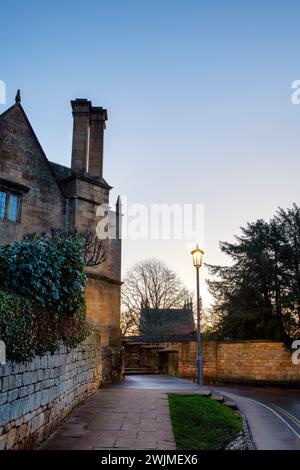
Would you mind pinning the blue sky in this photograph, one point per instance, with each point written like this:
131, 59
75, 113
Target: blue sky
198, 95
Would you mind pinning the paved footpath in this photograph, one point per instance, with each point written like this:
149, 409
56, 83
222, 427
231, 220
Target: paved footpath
134, 414
131, 415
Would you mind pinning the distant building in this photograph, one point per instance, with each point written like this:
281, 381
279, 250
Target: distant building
37, 195
167, 322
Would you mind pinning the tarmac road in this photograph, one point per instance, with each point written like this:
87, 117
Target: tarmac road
274, 408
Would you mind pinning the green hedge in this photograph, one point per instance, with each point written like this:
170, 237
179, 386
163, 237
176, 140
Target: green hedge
42, 299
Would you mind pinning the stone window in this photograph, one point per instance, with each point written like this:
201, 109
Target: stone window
2, 204
9, 205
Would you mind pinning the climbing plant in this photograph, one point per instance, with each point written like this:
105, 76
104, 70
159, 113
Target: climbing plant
42, 301
48, 271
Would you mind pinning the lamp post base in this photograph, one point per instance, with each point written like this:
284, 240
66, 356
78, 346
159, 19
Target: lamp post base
199, 372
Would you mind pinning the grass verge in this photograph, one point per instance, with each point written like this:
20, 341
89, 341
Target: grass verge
200, 423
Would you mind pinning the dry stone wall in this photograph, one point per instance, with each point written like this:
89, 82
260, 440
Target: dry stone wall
36, 396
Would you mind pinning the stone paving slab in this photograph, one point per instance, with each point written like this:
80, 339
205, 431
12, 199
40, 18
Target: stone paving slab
133, 414
143, 423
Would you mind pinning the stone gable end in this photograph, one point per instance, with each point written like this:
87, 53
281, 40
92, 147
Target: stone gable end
23, 163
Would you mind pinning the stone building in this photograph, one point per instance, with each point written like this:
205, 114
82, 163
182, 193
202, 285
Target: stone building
37, 195
168, 321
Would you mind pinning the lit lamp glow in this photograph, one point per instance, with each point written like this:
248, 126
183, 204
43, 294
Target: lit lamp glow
197, 257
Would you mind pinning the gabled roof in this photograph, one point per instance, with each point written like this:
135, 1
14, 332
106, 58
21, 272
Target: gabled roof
61, 174
65, 174
19, 107
171, 321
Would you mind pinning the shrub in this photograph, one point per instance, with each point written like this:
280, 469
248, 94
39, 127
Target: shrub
48, 271
16, 326
41, 296
29, 331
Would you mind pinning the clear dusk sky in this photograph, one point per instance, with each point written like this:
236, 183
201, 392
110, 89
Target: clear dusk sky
198, 95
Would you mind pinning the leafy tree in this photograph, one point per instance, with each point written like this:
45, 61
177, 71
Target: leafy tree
258, 296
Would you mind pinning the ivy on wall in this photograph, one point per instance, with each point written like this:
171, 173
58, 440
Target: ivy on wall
42, 299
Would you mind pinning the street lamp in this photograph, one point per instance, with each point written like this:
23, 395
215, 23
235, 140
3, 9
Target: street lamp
197, 261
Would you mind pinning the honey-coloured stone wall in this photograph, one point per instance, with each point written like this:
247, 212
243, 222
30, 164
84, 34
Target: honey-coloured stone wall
36, 396
240, 361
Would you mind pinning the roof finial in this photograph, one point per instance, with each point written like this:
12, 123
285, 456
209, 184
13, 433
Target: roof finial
18, 97
119, 206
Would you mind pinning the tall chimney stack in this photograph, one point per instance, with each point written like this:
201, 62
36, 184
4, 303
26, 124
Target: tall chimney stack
98, 117
81, 130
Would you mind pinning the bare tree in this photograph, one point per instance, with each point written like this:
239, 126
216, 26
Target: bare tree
149, 283
93, 248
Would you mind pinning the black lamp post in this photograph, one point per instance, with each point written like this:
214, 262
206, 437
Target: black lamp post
197, 261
